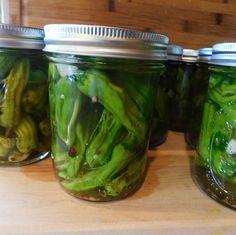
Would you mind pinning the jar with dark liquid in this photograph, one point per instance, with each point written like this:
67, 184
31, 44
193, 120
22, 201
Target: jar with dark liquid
198, 91
179, 76
162, 104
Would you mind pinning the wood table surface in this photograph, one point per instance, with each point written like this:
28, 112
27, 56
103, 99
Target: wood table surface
169, 203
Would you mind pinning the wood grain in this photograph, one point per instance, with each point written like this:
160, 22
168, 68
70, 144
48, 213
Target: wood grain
168, 203
190, 23
15, 11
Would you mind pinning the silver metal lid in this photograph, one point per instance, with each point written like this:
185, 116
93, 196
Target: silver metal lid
204, 55
224, 54
189, 55
105, 41
174, 52
12, 36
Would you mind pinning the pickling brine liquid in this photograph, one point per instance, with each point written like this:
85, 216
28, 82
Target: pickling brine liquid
101, 113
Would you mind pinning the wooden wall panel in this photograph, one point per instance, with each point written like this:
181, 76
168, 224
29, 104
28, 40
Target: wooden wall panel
15, 11
191, 23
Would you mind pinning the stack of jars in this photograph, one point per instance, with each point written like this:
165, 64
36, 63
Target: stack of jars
109, 90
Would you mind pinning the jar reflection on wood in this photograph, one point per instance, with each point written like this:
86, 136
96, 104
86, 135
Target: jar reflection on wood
179, 76
101, 106
215, 166
198, 91
24, 117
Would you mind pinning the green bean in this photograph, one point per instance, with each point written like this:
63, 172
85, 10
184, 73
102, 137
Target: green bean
96, 84
34, 98
7, 61
14, 85
86, 127
125, 180
73, 166
206, 130
100, 148
26, 133
44, 127
101, 175
6, 145
138, 91
66, 109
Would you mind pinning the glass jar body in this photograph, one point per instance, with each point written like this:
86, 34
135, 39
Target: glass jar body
198, 91
101, 111
160, 114
178, 76
215, 165
24, 118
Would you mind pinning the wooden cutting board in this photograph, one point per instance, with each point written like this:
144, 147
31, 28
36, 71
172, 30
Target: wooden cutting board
168, 203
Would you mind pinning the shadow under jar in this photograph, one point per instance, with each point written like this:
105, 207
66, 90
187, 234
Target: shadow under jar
179, 75
102, 92
198, 92
24, 120
214, 169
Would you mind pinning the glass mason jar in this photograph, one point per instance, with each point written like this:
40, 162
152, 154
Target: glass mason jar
179, 75
101, 92
161, 112
159, 120
198, 91
24, 120
215, 166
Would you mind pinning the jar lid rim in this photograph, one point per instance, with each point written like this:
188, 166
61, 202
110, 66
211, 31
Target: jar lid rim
224, 47
14, 36
104, 41
175, 50
224, 54
190, 55
205, 51
75, 31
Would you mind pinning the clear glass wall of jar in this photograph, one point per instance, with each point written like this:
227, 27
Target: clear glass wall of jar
101, 106
161, 107
179, 76
215, 166
24, 120
198, 91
